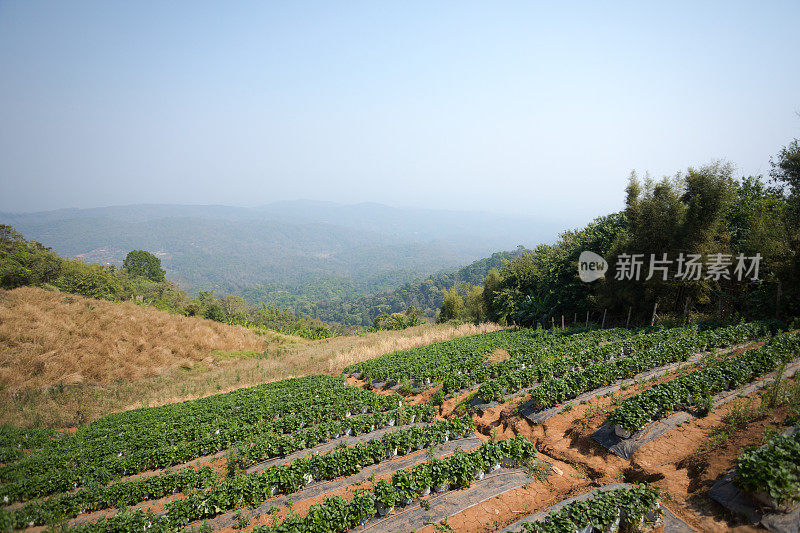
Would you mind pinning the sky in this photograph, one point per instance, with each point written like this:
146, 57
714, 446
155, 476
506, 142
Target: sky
528, 108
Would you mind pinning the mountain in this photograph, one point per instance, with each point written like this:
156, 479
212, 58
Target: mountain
300, 250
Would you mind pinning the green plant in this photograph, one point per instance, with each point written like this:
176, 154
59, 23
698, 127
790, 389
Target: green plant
404, 487
385, 494
439, 472
423, 478
697, 388
623, 509
443, 527
362, 505
539, 470
773, 469
437, 398
462, 468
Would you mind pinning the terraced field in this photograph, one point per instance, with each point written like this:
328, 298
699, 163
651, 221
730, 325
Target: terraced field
511, 430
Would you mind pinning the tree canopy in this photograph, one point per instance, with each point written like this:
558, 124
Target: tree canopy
144, 264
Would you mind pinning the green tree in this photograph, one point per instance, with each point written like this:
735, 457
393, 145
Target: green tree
540, 284
90, 280
144, 264
786, 174
491, 285
473, 303
452, 306
24, 262
681, 214
236, 309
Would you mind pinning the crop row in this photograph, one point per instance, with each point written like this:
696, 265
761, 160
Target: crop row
337, 515
11, 437
435, 362
521, 376
265, 447
192, 420
16, 443
575, 382
112, 467
460, 363
212, 493
130, 492
73, 462
252, 489
696, 388
772, 473
614, 510
121, 494
457, 471
537, 354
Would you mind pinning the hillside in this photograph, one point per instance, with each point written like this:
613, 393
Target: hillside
301, 251
442, 437
425, 294
52, 338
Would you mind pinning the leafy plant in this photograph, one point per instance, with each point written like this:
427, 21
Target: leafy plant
385, 493
696, 388
773, 469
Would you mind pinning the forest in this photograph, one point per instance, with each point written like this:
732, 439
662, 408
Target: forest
704, 213
140, 280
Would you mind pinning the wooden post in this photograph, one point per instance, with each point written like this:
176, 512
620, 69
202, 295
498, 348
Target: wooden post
553, 322
562, 322
653, 319
587, 319
603, 325
628, 322
686, 308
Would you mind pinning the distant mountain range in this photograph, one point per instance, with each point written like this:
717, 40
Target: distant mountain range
319, 250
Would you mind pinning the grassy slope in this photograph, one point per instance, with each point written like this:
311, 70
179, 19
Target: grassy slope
50, 338
66, 360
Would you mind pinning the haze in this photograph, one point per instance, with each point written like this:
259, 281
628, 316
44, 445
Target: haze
522, 108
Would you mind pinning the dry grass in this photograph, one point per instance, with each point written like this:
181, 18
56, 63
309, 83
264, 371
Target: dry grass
98, 369
49, 338
498, 356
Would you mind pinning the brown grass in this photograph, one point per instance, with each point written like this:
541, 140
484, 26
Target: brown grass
50, 338
498, 356
65, 363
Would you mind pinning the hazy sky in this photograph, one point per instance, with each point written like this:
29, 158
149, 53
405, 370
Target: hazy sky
501, 106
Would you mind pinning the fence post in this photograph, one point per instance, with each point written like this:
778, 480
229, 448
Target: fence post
562, 322
653, 319
628, 322
587, 319
603, 325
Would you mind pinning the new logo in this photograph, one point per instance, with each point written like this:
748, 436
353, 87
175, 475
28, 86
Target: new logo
591, 266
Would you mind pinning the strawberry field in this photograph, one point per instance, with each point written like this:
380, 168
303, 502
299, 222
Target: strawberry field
393, 444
